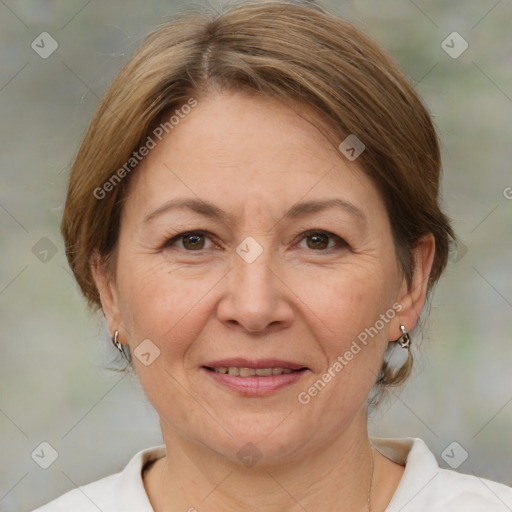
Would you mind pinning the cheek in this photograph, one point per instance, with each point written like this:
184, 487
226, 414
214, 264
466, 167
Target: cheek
168, 305
350, 331
351, 301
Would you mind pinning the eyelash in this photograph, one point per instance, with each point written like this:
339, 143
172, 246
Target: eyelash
341, 242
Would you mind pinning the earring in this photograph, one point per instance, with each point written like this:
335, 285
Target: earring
117, 343
405, 339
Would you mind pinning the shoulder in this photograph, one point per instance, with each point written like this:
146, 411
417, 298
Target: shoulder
427, 487
87, 498
123, 491
473, 493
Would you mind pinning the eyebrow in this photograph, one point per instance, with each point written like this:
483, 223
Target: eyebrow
296, 211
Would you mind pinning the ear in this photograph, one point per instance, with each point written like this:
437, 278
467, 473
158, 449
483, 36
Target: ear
413, 297
107, 289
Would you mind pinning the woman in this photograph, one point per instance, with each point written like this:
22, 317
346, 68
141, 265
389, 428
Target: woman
254, 208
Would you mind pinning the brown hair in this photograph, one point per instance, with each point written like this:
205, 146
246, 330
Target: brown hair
296, 52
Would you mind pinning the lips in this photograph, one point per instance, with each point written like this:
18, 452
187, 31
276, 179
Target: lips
260, 377
251, 372
249, 367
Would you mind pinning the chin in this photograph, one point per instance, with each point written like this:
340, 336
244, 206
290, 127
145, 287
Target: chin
263, 441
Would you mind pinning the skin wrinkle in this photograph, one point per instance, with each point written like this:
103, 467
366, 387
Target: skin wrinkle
293, 304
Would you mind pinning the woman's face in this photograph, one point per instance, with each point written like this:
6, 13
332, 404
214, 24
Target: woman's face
288, 263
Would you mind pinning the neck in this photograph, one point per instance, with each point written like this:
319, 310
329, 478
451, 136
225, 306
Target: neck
336, 476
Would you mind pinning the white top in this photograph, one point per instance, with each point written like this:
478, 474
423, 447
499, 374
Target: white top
424, 486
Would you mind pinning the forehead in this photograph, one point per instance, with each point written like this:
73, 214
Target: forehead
237, 150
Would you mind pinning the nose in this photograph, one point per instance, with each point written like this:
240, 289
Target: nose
256, 297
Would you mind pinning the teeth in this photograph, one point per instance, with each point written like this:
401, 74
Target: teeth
251, 372
264, 372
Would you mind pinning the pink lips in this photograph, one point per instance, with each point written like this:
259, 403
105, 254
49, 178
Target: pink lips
257, 385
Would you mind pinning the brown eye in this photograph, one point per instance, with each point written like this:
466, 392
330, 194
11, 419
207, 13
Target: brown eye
318, 241
191, 241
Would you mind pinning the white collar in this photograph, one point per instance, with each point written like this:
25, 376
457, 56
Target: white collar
424, 486
129, 491
421, 470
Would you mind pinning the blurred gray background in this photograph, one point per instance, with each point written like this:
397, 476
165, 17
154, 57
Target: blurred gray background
54, 385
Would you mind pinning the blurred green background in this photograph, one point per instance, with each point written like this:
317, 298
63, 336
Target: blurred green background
54, 385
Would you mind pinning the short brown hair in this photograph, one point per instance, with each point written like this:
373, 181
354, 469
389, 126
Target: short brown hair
296, 52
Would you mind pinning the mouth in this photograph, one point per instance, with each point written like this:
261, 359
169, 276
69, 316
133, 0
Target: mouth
254, 378
240, 371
